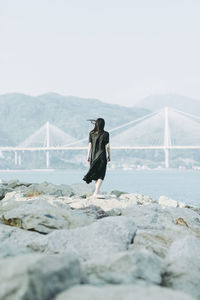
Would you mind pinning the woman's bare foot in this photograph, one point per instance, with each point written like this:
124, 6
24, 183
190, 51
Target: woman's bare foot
98, 196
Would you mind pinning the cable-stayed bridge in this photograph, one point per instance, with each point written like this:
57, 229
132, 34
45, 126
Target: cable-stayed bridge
166, 129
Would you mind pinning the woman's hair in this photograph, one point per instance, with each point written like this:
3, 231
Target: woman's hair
99, 125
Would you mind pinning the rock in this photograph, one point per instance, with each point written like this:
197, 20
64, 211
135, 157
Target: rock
156, 241
111, 202
104, 237
117, 193
154, 216
42, 214
182, 266
158, 228
105, 204
165, 201
14, 241
49, 189
4, 190
95, 212
37, 276
16, 183
82, 189
125, 267
122, 292
137, 199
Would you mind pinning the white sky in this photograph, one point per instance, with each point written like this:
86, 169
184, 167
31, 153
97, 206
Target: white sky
116, 50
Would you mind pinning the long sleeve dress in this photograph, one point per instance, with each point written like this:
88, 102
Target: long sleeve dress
98, 159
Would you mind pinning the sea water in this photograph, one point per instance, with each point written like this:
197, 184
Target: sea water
181, 185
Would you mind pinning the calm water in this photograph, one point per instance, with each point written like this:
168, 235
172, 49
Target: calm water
182, 185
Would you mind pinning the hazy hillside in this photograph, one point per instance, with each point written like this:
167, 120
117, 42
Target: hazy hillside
21, 115
156, 102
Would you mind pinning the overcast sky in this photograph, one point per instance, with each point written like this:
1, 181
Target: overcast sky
118, 51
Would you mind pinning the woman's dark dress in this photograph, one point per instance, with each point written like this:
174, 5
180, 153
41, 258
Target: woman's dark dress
98, 159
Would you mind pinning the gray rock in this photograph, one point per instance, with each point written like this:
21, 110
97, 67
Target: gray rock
42, 214
117, 193
122, 292
158, 228
14, 241
182, 266
16, 183
94, 211
37, 276
104, 237
4, 190
49, 189
82, 189
154, 216
125, 267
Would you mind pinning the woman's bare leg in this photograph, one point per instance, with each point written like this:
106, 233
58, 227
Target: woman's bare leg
98, 184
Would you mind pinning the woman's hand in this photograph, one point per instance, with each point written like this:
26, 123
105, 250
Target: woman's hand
108, 152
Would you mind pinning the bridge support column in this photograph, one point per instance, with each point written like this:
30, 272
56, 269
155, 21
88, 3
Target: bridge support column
16, 158
47, 159
19, 160
166, 158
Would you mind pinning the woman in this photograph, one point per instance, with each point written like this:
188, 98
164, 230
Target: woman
98, 144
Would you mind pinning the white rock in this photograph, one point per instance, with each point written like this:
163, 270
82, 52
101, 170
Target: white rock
37, 276
165, 201
125, 267
105, 236
110, 202
182, 266
122, 292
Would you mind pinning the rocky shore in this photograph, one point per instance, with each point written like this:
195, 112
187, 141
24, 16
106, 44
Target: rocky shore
58, 242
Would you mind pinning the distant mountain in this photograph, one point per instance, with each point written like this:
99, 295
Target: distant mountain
21, 115
156, 102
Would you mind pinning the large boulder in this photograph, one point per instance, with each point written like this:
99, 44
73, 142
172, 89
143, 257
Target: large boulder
154, 216
4, 190
14, 241
166, 201
122, 292
182, 266
124, 267
82, 190
15, 183
103, 237
42, 214
158, 228
37, 276
47, 188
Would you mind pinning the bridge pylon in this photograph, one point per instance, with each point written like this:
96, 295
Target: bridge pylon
167, 138
47, 144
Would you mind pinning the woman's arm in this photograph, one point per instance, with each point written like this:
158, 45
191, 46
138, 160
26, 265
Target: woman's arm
89, 151
108, 151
